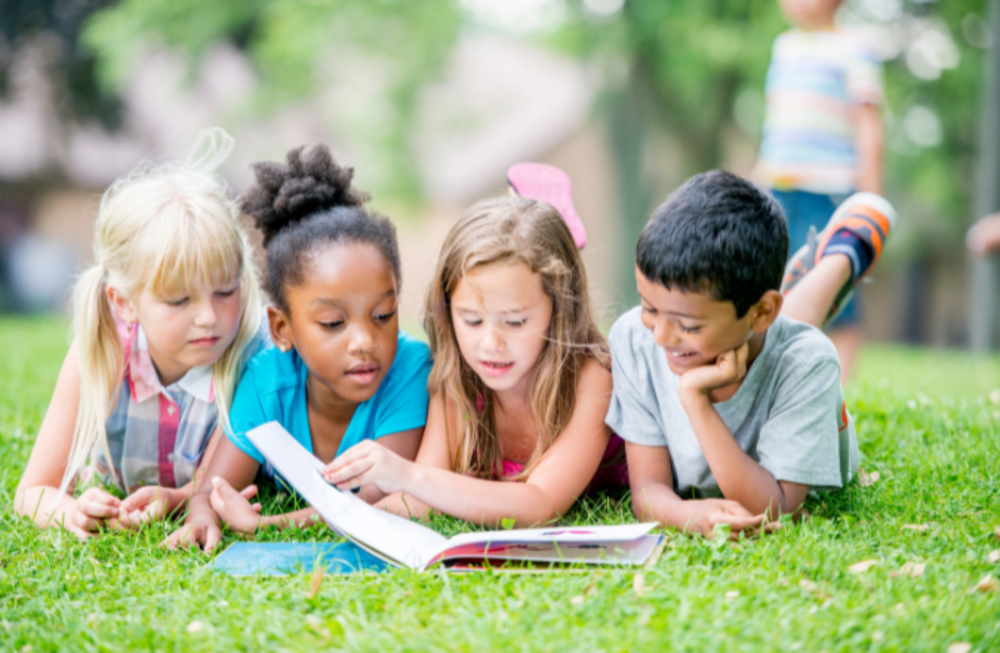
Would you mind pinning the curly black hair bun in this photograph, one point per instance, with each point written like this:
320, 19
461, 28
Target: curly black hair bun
306, 206
310, 183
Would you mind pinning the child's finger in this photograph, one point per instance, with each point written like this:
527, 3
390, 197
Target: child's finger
177, 539
97, 495
212, 537
257, 507
218, 503
97, 510
138, 499
249, 492
741, 359
82, 521
744, 523
350, 472
341, 461
154, 510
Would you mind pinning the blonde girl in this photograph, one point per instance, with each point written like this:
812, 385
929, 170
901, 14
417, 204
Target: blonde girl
163, 322
520, 384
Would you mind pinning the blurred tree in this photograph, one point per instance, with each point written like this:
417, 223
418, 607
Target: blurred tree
695, 69
56, 25
391, 49
685, 64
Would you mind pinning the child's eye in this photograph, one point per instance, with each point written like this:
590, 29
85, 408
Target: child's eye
385, 317
516, 323
471, 321
646, 309
178, 302
687, 329
332, 325
226, 293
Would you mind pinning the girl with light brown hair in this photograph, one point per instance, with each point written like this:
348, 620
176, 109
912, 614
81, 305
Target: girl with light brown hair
520, 385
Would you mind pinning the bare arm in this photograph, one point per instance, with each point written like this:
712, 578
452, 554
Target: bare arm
548, 493
653, 497
37, 495
201, 526
868, 143
740, 477
234, 508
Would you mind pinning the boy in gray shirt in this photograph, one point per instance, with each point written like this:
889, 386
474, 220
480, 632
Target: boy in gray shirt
723, 391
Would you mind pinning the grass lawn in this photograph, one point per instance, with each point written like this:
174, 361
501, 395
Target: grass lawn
927, 422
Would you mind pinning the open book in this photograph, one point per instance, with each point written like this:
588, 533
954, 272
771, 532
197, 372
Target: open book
404, 543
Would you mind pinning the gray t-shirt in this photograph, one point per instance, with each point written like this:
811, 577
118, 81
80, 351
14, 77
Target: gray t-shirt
788, 414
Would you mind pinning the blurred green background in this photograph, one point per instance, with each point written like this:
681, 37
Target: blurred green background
431, 101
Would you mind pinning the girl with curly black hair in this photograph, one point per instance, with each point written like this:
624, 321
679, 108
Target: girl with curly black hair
341, 371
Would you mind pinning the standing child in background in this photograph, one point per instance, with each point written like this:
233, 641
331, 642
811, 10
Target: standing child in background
725, 391
162, 323
341, 372
822, 136
520, 384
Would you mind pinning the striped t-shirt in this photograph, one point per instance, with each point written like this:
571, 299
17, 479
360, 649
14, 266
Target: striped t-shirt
815, 82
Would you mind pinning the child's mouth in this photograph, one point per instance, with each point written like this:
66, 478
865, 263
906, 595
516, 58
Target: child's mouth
680, 357
206, 342
363, 373
495, 368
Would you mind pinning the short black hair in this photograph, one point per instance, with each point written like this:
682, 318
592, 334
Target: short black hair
307, 204
717, 233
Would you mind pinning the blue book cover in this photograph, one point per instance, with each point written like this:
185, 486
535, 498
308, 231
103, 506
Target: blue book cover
283, 558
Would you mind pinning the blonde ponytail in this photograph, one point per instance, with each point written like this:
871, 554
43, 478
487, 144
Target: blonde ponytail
159, 228
101, 365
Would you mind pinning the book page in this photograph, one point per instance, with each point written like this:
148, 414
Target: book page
602, 535
387, 536
630, 552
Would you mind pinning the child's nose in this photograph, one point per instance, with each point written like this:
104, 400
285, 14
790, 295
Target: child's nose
665, 334
206, 315
493, 340
362, 339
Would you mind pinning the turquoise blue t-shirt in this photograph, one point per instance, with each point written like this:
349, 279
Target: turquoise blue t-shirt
273, 388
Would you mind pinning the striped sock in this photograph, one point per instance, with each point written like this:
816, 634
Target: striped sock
859, 252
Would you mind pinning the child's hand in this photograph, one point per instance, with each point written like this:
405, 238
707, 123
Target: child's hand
368, 462
91, 511
714, 512
728, 368
201, 531
234, 508
150, 503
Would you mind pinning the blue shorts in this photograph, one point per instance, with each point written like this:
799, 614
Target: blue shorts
803, 210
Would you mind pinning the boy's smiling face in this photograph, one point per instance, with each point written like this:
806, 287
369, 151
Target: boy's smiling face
694, 328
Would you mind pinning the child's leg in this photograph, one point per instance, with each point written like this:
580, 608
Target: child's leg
821, 276
810, 299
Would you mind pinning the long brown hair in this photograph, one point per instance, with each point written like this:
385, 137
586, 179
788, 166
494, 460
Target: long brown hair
511, 229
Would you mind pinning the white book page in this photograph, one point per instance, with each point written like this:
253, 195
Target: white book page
394, 539
630, 552
549, 536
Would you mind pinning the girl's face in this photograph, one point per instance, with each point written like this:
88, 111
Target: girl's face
810, 14
342, 320
501, 315
185, 329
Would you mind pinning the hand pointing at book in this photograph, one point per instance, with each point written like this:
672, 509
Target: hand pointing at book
368, 463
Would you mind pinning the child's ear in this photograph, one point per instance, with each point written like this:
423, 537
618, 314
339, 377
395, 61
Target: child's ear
766, 311
124, 308
281, 331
